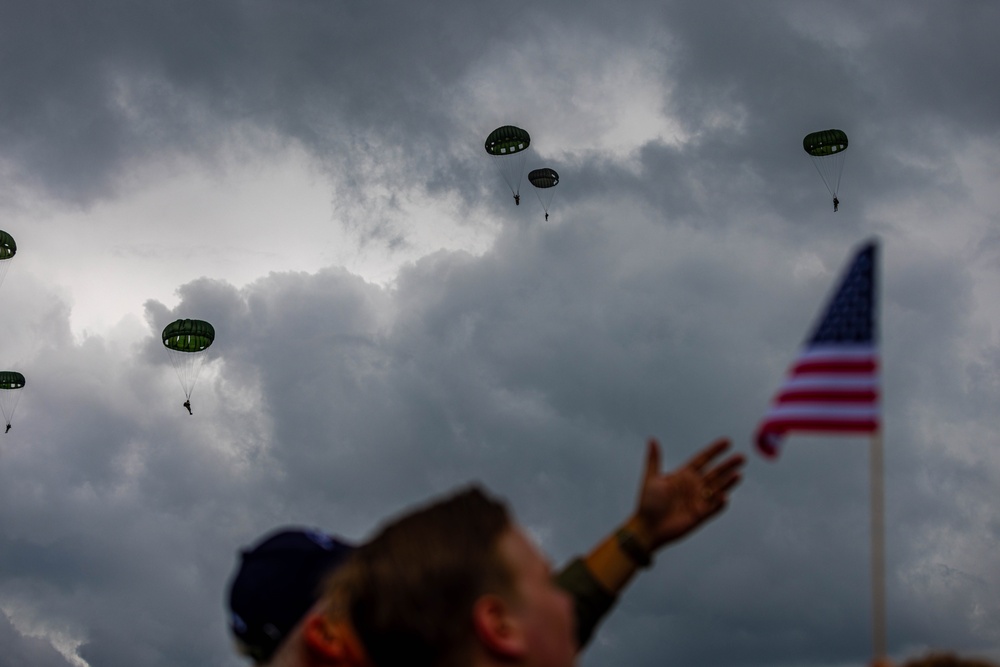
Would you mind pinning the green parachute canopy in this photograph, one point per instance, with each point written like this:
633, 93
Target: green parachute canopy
827, 149
11, 383
188, 335
827, 142
7, 251
11, 380
7, 246
506, 140
507, 145
186, 342
544, 180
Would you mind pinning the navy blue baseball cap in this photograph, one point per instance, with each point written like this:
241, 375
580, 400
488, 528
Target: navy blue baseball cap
277, 581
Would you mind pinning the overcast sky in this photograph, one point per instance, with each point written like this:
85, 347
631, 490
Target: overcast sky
309, 176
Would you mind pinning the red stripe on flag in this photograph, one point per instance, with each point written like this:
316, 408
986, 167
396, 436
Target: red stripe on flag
836, 366
826, 396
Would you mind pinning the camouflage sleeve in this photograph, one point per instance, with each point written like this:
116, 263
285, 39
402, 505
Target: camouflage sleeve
591, 601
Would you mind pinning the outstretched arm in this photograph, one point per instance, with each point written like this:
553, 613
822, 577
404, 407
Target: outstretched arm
670, 506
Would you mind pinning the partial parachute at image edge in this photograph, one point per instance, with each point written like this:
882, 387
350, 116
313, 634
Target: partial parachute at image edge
11, 383
11, 380
8, 248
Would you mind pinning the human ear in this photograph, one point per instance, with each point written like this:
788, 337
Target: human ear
497, 628
332, 642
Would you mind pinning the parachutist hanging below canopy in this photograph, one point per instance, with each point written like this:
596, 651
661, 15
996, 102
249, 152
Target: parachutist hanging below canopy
545, 180
827, 150
507, 145
186, 342
11, 383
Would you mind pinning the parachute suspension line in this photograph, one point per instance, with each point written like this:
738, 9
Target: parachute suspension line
4, 266
832, 191
187, 369
545, 207
506, 175
830, 169
840, 172
511, 168
10, 404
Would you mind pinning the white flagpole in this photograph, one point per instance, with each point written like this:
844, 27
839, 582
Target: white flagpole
878, 547
878, 509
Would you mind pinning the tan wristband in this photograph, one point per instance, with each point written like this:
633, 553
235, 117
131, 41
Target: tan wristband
631, 547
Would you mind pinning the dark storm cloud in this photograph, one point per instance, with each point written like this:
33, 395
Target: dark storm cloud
523, 368
97, 509
539, 368
133, 82
98, 87
948, 57
666, 297
749, 84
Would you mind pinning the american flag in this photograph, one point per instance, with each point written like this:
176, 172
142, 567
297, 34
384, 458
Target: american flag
833, 385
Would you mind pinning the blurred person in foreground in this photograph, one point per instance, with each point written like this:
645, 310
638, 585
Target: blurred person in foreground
458, 583
279, 619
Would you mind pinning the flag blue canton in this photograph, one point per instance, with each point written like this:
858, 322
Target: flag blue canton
850, 317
